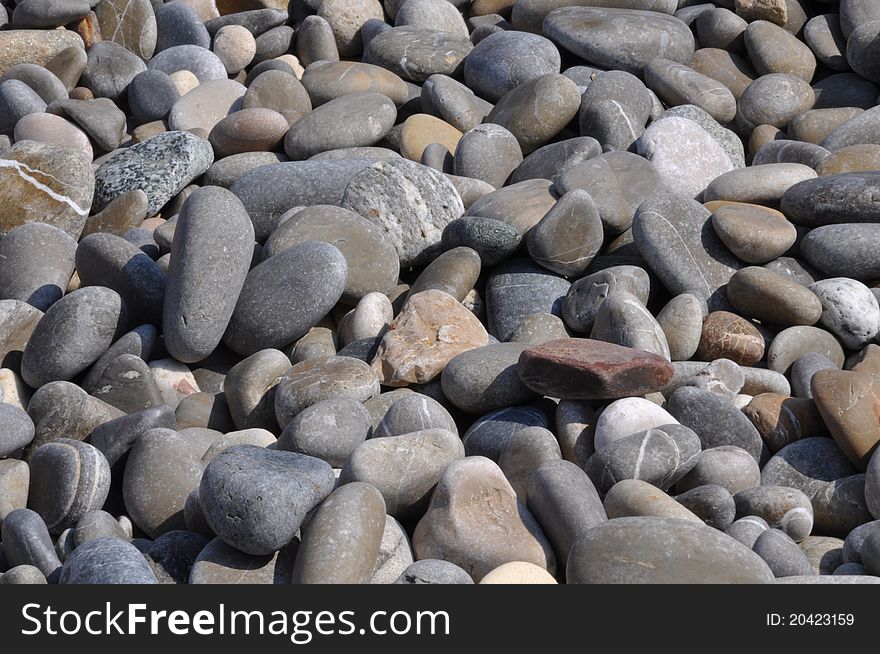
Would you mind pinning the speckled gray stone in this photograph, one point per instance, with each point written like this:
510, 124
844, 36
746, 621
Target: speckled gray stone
329, 430
107, 561
161, 167
255, 499
845, 250
501, 62
493, 240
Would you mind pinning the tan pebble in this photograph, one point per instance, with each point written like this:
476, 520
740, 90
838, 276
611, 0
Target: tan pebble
184, 81
235, 46
518, 572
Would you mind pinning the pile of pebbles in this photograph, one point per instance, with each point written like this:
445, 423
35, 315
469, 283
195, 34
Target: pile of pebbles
429, 291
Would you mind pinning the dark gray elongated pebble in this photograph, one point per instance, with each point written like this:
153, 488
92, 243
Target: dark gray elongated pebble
517, 289
527, 450
172, 555
844, 90
782, 554
340, 544
72, 334
493, 240
38, 261
405, 468
551, 161
660, 456
161, 167
803, 369
781, 507
850, 569
36, 14
127, 383
140, 342
285, 296
716, 421
489, 153
454, 102
249, 389
111, 261
833, 199
26, 541
614, 110
501, 62
100, 119
256, 21
110, 69
808, 154
68, 479
685, 254
210, 259
624, 321
858, 130
872, 486
489, 435
255, 499
220, 563
565, 504
97, 524
315, 41
151, 95
412, 413
484, 379
662, 550
618, 182
852, 546
844, 250
870, 554
329, 430
433, 571
64, 410
321, 378
679, 84
569, 236
369, 253
454, 272
747, 530
273, 43
22, 574
41, 80
179, 25
416, 54
713, 504
107, 561
17, 100
16, 429
586, 295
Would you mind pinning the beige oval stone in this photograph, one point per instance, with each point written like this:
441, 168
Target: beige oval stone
184, 81
729, 336
206, 105
814, 125
421, 130
852, 159
754, 233
781, 420
518, 572
849, 403
328, 80
49, 128
735, 72
634, 497
248, 130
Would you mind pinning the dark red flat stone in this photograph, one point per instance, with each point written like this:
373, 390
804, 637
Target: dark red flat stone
584, 369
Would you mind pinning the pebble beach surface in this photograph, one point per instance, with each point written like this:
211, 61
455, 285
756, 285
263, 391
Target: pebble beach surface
439, 291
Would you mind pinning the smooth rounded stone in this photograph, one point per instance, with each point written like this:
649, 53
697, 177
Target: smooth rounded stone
172, 555
861, 129
782, 554
849, 310
526, 451
735, 72
493, 240
678, 84
851, 159
110, 69
783, 508
517, 289
229, 169
662, 550
47, 128
100, 119
371, 318
720, 28
286, 295
660, 455
852, 546
210, 259
38, 263
861, 49
791, 343
325, 81
518, 572
125, 212
845, 90
573, 220
206, 105
437, 15
317, 342
255, 499
622, 319
528, 15
454, 272
395, 553
490, 435
116, 437
713, 504
22, 574
803, 369
433, 571
236, 47
161, 167
848, 402
551, 161
14, 483
111, 261
538, 110
200, 61
833, 199
416, 54
781, 419
248, 130
257, 21
63, 171
623, 39
322, 378
178, 24
68, 479
772, 298
810, 465
774, 99
747, 530
485, 379
404, 468
684, 154
589, 369
824, 553
489, 153
520, 205
686, 255
453, 102
17, 100
340, 543
204, 410
130, 24
13, 390
276, 90
614, 110
783, 151
315, 41
773, 49
716, 421
633, 497
219, 563
794, 269
850, 569
414, 413
329, 430
815, 125
37, 47
107, 561
26, 541
870, 554
722, 377
764, 184
682, 323
127, 383
41, 80
485, 536
346, 18
537, 328
139, 342
72, 335
505, 60
64, 410
753, 233
586, 295
410, 202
